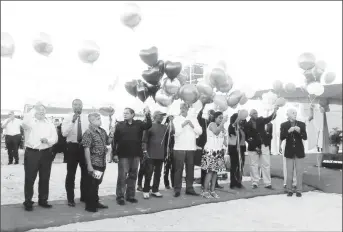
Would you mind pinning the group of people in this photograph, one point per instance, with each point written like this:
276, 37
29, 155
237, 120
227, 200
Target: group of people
148, 144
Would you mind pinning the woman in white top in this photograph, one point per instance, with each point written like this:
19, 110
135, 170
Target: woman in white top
213, 159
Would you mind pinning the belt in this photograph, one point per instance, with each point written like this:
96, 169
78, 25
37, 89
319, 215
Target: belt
31, 149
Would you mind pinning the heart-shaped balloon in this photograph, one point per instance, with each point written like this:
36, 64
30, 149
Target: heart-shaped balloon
142, 91
317, 73
189, 94
205, 99
42, 44
152, 90
152, 76
290, 88
306, 61
277, 86
89, 52
172, 69
309, 76
221, 102
171, 87
149, 56
329, 77
218, 77
243, 100
131, 87
163, 99
204, 88
7, 45
225, 88
160, 65
234, 98
182, 77
131, 15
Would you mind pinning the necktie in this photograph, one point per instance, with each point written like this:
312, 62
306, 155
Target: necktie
79, 130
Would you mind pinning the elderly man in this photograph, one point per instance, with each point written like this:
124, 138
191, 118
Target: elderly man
258, 147
127, 151
294, 132
73, 127
40, 136
186, 132
13, 137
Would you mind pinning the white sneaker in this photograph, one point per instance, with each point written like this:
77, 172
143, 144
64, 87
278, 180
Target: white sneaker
146, 195
157, 194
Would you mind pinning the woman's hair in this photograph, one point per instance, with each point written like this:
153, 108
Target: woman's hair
233, 118
216, 115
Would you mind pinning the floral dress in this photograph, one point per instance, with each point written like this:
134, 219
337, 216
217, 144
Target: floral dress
213, 158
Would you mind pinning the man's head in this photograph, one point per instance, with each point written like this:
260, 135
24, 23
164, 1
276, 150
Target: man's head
158, 116
184, 107
94, 119
77, 106
253, 114
40, 111
129, 114
291, 114
11, 114
56, 122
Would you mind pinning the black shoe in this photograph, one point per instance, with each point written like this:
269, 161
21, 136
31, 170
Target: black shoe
232, 186
167, 187
177, 194
298, 194
139, 188
101, 206
120, 201
16, 162
289, 194
269, 187
132, 200
45, 205
71, 203
240, 186
192, 193
254, 186
92, 210
28, 206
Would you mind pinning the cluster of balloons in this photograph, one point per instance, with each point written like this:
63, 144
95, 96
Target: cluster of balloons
278, 87
271, 100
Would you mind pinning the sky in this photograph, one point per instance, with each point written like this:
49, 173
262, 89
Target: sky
259, 41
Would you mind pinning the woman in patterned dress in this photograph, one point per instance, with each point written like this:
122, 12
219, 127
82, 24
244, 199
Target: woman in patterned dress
213, 159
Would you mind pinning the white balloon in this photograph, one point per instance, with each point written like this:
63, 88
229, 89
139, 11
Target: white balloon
315, 88
249, 92
7, 45
131, 15
329, 77
42, 44
306, 61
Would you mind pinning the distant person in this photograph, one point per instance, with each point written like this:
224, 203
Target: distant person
13, 137
294, 132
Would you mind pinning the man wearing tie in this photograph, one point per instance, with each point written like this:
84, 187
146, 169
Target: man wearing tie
40, 136
73, 127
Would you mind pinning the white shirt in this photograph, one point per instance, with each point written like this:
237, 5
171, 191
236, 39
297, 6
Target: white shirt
69, 129
185, 138
214, 142
13, 127
36, 129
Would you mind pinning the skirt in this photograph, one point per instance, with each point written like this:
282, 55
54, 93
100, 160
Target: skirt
213, 161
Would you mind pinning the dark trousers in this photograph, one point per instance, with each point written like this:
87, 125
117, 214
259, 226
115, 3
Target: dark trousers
93, 188
235, 174
127, 177
181, 158
36, 161
141, 173
58, 148
153, 166
75, 157
168, 170
12, 144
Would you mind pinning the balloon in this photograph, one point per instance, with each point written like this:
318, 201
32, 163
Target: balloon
243, 100
217, 77
142, 91
234, 98
89, 52
277, 86
322, 110
329, 77
315, 88
171, 87
42, 44
221, 102
306, 61
149, 56
182, 77
152, 76
163, 99
172, 69
317, 73
131, 87
323, 102
290, 88
160, 65
189, 93
106, 111
269, 98
152, 90
280, 102
249, 92
131, 15
7, 45
205, 99
225, 88
242, 114
204, 88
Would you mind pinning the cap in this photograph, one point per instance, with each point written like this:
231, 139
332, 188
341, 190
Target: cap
157, 112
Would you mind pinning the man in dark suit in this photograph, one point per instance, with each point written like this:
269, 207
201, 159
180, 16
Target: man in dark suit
294, 132
258, 147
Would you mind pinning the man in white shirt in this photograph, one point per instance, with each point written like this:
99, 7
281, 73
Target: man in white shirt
40, 136
73, 127
13, 137
186, 130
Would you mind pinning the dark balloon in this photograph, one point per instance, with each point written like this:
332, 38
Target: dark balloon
172, 69
142, 91
152, 76
149, 56
160, 65
131, 87
152, 90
